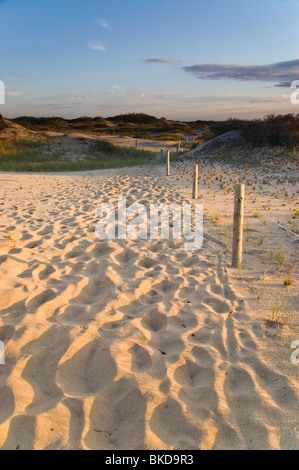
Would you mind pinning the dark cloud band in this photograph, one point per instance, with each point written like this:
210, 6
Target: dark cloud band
282, 73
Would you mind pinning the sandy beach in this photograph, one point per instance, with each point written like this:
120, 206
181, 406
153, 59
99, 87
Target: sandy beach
140, 344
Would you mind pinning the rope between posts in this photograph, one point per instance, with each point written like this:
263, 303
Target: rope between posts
277, 223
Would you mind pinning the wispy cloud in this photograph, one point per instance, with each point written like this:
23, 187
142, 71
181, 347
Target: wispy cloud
13, 93
103, 23
97, 46
282, 73
158, 60
66, 97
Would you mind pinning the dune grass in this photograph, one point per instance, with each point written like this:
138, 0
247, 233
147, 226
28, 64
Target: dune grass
29, 157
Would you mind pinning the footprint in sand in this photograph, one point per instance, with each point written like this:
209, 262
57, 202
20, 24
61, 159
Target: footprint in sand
100, 250
150, 298
61, 244
173, 428
26, 236
168, 343
95, 267
88, 371
45, 273
247, 341
190, 261
277, 386
117, 418
7, 403
141, 359
21, 430
215, 288
34, 244
127, 257
154, 321
238, 381
192, 374
217, 305
147, 263
97, 290
185, 318
40, 299
29, 271
227, 438
6, 333
247, 404
76, 252
168, 287
46, 230
40, 370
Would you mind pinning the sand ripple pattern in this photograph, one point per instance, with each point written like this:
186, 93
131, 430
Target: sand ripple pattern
126, 344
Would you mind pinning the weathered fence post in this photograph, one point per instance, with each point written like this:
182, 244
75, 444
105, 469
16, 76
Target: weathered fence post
238, 225
2, 358
168, 164
195, 182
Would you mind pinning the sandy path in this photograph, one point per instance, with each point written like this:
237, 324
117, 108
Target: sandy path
126, 344
71, 141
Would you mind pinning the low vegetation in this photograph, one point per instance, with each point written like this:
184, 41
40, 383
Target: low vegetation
29, 156
3, 123
132, 124
272, 130
257, 138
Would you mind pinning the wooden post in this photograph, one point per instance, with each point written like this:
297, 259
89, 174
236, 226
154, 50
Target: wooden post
238, 226
195, 182
168, 164
161, 156
179, 145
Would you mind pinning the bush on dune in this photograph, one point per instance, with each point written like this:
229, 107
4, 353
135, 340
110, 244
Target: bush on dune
3, 124
272, 130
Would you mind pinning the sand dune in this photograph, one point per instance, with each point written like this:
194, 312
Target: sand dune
122, 344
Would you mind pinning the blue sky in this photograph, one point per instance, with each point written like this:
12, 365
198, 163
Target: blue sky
181, 59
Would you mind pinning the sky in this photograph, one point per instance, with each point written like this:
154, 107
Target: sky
178, 59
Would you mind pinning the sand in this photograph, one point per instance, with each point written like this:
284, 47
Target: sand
123, 344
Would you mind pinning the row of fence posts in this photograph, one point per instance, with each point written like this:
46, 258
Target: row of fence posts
238, 219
